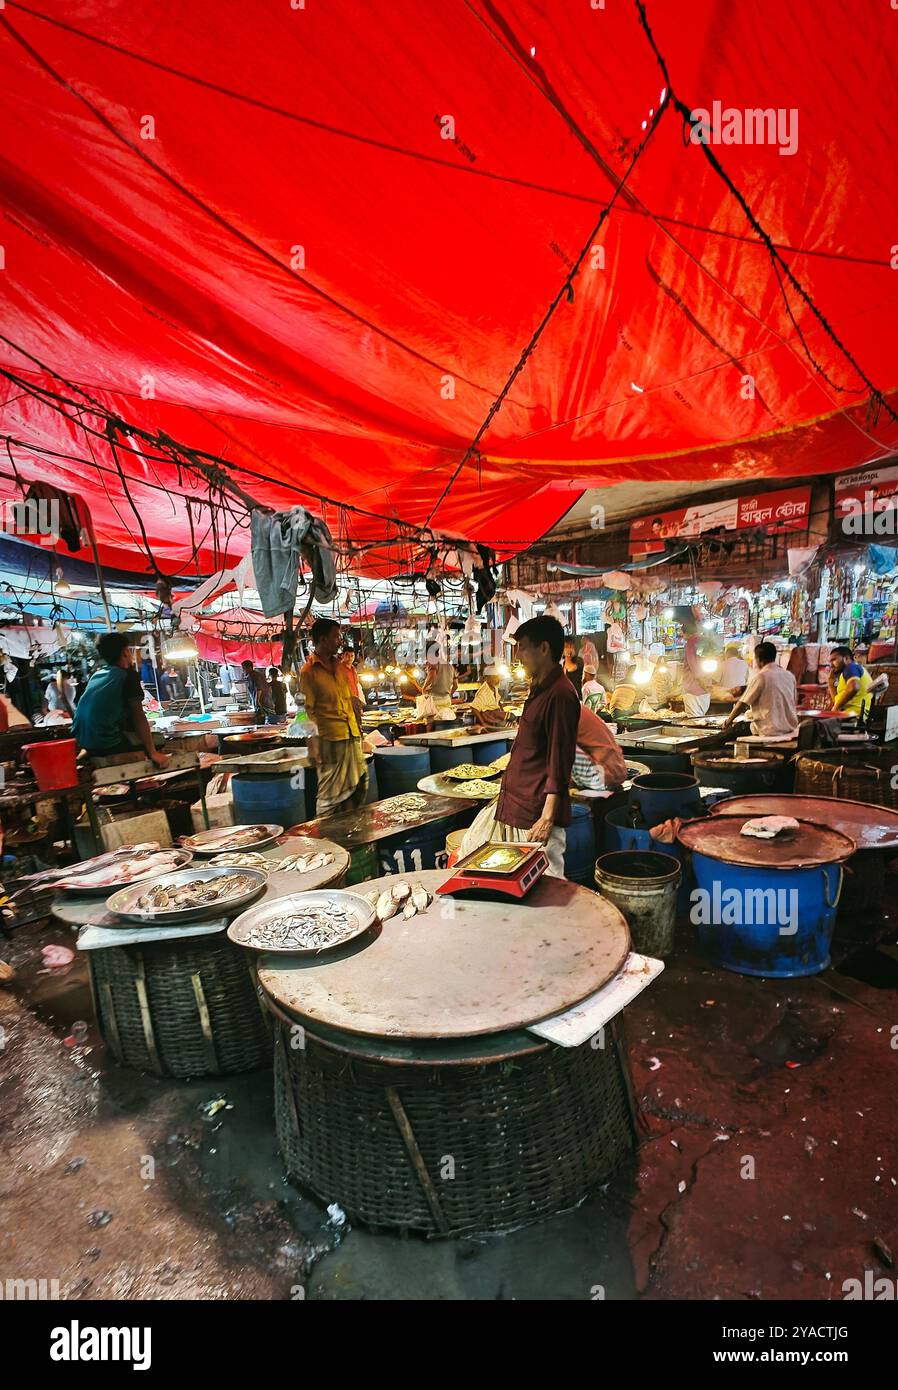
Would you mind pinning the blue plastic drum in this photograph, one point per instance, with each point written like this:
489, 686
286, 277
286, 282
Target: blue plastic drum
765, 907
400, 769
580, 846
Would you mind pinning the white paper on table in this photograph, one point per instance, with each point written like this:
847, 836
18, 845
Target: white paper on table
583, 1021
128, 934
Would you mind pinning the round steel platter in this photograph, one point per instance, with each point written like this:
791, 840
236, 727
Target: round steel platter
720, 837
123, 904
216, 841
293, 904
871, 827
438, 784
184, 857
463, 967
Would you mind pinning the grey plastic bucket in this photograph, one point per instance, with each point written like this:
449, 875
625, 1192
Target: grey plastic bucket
643, 885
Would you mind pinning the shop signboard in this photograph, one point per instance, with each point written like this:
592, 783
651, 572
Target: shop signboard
786, 510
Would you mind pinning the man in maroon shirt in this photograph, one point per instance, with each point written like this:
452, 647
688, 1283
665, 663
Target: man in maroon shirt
534, 805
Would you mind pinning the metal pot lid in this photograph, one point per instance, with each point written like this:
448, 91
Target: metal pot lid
720, 837
871, 827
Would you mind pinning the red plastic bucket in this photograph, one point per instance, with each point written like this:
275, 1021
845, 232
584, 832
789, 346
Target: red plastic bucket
53, 763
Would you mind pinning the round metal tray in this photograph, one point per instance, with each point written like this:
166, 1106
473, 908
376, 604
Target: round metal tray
293, 904
216, 841
124, 903
185, 856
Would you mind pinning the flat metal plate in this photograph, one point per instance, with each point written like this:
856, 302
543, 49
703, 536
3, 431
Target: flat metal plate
439, 784
124, 903
215, 841
463, 967
720, 837
871, 827
243, 929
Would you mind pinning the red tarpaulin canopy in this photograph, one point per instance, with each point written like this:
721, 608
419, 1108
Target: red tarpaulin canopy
243, 227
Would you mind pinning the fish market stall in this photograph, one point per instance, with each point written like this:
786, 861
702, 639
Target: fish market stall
376, 1083
172, 995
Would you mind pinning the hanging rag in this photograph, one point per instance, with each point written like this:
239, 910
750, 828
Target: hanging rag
280, 540
72, 520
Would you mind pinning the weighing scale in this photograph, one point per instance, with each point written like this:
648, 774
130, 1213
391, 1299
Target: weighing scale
508, 870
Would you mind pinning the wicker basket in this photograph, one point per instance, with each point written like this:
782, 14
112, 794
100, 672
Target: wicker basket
857, 774
180, 1008
451, 1149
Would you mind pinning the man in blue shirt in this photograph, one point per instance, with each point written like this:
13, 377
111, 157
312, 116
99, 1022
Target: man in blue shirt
110, 716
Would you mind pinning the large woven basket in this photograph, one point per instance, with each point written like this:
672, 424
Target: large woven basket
867, 774
451, 1149
180, 1008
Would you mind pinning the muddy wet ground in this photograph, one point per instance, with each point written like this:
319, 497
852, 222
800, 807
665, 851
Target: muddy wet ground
768, 1167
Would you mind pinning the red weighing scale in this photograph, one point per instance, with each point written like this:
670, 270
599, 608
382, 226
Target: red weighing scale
507, 869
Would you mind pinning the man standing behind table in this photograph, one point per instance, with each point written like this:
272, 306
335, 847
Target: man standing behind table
258, 690
110, 716
533, 805
337, 747
849, 682
771, 696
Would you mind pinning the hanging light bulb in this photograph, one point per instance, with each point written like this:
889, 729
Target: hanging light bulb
520, 673
180, 648
61, 584
709, 665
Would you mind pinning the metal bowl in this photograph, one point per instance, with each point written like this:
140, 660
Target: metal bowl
124, 903
184, 858
216, 841
293, 904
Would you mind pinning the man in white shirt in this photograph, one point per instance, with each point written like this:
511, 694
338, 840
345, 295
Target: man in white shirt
733, 676
771, 697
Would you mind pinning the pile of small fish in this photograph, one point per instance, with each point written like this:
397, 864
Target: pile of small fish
479, 788
407, 898
310, 930
164, 898
242, 859
302, 863
500, 764
466, 770
404, 807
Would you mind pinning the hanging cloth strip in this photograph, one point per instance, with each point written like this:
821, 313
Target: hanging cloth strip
279, 541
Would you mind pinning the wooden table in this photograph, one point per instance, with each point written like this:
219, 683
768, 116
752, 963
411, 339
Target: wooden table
408, 1053
182, 1000
83, 912
366, 825
465, 966
451, 737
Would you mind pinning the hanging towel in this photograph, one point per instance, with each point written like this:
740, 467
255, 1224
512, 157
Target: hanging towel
280, 540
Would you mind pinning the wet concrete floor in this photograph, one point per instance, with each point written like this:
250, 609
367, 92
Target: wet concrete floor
768, 1167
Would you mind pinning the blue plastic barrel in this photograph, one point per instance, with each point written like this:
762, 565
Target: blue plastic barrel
422, 848
621, 835
660, 795
580, 846
400, 769
764, 948
444, 756
271, 798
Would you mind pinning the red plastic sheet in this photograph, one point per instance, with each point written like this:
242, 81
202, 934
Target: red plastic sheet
243, 227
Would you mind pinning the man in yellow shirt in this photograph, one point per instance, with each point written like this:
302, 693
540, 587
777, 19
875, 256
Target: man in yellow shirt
849, 682
337, 746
